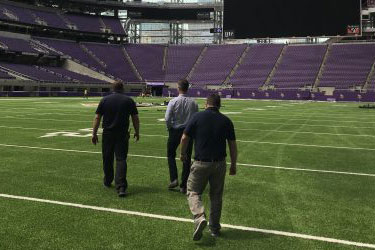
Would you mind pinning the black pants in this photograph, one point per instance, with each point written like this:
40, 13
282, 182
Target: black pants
115, 144
173, 142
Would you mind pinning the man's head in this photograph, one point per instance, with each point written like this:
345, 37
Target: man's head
213, 101
183, 86
118, 87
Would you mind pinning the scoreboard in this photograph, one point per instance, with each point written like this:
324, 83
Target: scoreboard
293, 18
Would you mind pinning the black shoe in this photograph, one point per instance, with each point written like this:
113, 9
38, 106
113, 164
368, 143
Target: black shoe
173, 184
122, 192
107, 185
198, 233
215, 233
183, 190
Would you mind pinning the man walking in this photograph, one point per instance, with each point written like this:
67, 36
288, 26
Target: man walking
115, 110
210, 130
179, 112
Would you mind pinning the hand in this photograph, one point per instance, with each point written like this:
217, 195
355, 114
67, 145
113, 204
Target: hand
183, 157
94, 139
233, 169
136, 136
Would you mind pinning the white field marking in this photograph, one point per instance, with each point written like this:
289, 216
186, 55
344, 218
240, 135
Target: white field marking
255, 109
46, 102
62, 120
296, 119
161, 120
56, 120
300, 114
306, 145
164, 158
268, 113
289, 124
91, 115
247, 122
179, 219
165, 136
231, 113
299, 132
305, 170
155, 117
245, 129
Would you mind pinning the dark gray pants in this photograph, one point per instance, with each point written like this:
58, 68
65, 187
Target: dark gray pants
174, 140
202, 173
115, 144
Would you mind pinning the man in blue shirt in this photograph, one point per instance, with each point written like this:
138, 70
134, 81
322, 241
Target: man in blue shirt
179, 112
210, 131
116, 110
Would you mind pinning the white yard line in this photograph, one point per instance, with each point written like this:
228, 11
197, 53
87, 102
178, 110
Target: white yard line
157, 124
301, 132
248, 129
88, 121
164, 158
296, 124
306, 145
179, 219
294, 119
142, 116
242, 141
272, 116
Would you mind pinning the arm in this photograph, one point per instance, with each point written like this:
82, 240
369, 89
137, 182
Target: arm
135, 120
169, 115
233, 157
184, 145
95, 127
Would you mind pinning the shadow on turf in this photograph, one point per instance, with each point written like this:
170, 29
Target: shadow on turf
230, 234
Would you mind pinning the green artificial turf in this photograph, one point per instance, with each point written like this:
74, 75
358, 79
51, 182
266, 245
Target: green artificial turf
298, 135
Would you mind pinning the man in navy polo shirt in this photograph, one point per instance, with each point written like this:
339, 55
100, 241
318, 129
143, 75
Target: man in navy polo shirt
210, 131
116, 110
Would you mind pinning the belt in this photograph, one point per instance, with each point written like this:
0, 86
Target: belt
210, 160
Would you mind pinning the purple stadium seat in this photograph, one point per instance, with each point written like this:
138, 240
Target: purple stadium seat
32, 72
299, 66
15, 44
114, 57
50, 17
86, 23
114, 24
148, 59
72, 75
180, 60
217, 63
256, 66
5, 75
348, 65
73, 50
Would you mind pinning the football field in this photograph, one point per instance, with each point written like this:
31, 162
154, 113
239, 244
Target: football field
305, 179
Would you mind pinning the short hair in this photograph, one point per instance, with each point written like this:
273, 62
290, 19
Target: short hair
214, 100
183, 85
118, 86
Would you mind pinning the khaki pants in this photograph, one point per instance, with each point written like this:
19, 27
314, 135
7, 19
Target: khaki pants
202, 173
